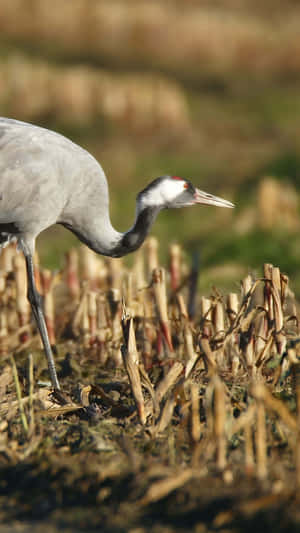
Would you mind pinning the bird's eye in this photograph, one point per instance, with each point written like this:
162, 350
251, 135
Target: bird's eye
189, 186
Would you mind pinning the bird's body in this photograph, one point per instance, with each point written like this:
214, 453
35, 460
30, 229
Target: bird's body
47, 179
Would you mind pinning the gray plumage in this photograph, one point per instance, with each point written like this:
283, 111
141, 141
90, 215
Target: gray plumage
47, 179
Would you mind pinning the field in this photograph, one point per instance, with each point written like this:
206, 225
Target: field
177, 412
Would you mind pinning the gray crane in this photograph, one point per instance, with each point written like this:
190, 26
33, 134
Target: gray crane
46, 179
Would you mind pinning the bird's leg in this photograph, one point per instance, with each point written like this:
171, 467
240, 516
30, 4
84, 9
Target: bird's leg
35, 300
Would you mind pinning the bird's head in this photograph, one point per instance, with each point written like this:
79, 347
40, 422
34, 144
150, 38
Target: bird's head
174, 192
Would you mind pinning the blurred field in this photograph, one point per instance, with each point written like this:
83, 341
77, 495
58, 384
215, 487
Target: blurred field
209, 90
184, 37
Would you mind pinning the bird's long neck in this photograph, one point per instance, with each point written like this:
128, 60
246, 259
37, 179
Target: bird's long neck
112, 243
132, 239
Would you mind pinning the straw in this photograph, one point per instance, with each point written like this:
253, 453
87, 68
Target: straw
19, 395
131, 364
160, 295
175, 266
72, 274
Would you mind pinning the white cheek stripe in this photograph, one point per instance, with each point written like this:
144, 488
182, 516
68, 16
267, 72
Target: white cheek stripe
164, 193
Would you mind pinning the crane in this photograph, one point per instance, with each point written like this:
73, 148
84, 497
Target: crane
47, 179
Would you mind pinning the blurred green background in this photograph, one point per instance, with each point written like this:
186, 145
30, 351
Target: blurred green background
209, 90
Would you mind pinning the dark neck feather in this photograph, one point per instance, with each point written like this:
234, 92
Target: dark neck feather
111, 243
134, 238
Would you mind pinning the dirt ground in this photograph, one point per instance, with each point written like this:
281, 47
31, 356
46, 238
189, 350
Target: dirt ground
98, 469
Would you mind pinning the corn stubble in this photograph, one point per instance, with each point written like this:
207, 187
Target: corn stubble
216, 384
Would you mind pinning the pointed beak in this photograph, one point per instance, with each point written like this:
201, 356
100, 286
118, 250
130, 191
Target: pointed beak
204, 198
